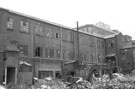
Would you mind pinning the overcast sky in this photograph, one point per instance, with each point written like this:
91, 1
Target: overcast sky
119, 14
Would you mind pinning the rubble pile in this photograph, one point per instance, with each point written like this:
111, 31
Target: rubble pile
50, 83
118, 81
81, 84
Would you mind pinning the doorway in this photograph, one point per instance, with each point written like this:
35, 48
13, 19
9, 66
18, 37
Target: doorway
10, 75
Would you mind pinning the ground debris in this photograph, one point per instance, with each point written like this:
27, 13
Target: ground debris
118, 81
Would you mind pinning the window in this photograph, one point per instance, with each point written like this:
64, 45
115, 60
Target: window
71, 55
92, 58
68, 36
85, 29
57, 35
24, 26
81, 38
98, 43
71, 37
91, 40
23, 49
38, 51
10, 23
103, 44
44, 74
112, 44
64, 54
90, 30
82, 56
49, 53
38, 29
100, 58
57, 53
48, 32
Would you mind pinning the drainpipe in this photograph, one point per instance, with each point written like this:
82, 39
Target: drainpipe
96, 52
78, 50
5, 67
117, 51
33, 44
132, 58
61, 55
79, 61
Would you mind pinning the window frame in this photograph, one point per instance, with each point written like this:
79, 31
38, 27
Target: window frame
38, 51
10, 23
49, 53
24, 26
38, 29
24, 49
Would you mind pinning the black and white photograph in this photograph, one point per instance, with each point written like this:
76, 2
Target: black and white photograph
67, 44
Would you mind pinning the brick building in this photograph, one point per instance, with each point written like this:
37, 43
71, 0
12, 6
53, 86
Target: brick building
39, 44
113, 41
127, 57
39, 47
97, 31
32, 47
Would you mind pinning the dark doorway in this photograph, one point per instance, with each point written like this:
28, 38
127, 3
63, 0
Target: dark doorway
57, 74
10, 75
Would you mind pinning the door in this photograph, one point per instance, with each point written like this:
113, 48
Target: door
10, 75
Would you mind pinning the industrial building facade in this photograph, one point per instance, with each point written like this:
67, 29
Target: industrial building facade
31, 47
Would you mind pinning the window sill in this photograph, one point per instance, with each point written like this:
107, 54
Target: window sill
10, 29
39, 35
24, 32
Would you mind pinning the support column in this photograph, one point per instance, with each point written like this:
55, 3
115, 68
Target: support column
54, 74
16, 75
5, 76
100, 73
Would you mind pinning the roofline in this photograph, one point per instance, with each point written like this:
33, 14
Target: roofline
90, 34
53, 23
111, 36
98, 27
128, 47
35, 18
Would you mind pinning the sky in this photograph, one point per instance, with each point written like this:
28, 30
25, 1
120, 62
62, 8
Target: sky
119, 14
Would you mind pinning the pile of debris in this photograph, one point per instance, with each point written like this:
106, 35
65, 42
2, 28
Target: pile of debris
118, 81
50, 83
